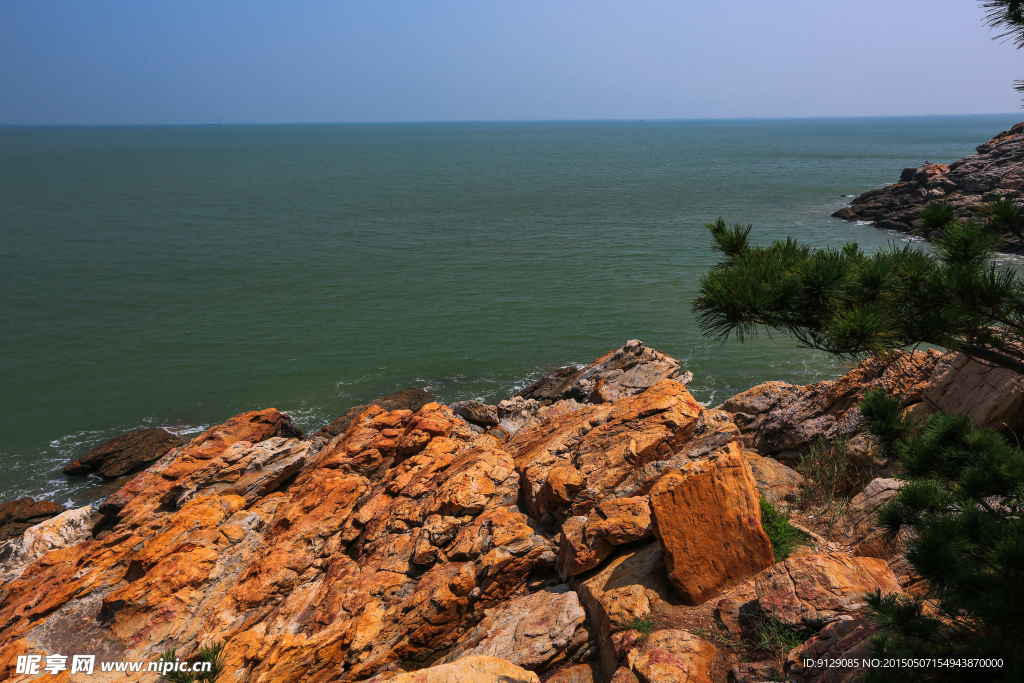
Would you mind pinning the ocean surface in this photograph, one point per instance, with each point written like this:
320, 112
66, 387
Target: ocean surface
177, 276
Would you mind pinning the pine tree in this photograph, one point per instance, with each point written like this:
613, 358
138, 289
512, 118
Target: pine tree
853, 304
1007, 16
962, 507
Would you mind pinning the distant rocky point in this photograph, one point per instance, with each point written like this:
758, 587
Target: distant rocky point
996, 171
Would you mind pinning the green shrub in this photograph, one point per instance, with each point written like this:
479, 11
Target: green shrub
1005, 215
784, 536
936, 216
963, 505
213, 654
832, 473
771, 635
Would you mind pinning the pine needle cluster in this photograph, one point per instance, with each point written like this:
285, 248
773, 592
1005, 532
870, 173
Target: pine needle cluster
962, 506
852, 304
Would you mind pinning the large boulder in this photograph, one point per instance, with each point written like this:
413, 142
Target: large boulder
623, 372
474, 669
476, 412
993, 397
572, 459
775, 481
812, 590
707, 517
620, 593
531, 631
776, 417
671, 656
588, 540
125, 454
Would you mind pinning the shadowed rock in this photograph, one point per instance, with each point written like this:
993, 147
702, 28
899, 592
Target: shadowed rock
18, 515
125, 454
623, 372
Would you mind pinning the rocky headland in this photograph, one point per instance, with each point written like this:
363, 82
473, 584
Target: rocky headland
995, 172
601, 526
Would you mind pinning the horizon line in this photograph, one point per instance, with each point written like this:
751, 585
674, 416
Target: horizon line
501, 121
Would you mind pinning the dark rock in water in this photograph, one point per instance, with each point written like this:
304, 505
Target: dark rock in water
996, 171
548, 387
125, 454
18, 515
622, 372
412, 399
476, 412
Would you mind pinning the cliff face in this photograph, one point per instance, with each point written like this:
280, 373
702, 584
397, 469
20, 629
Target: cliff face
996, 171
416, 539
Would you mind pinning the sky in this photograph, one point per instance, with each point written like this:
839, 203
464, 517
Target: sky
312, 61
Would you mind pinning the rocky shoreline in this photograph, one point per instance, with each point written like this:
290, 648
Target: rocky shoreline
600, 526
995, 172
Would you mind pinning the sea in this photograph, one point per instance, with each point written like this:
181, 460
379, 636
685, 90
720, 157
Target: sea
178, 275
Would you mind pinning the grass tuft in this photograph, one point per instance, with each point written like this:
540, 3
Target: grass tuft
644, 626
771, 635
784, 536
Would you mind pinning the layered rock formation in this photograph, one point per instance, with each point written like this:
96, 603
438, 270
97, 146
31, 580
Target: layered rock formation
996, 171
593, 537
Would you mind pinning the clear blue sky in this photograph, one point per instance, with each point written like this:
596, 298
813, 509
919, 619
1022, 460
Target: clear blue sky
250, 61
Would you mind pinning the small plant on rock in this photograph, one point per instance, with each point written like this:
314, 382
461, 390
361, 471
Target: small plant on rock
784, 536
832, 473
213, 655
771, 635
644, 626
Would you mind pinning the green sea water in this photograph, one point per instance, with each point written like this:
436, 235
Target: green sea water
179, 275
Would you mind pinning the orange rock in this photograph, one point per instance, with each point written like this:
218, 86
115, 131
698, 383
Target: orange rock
478, 669
385, 545
708, 520
529, 631
587, 541
621, 592
604, 444
671, 656
813, 589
